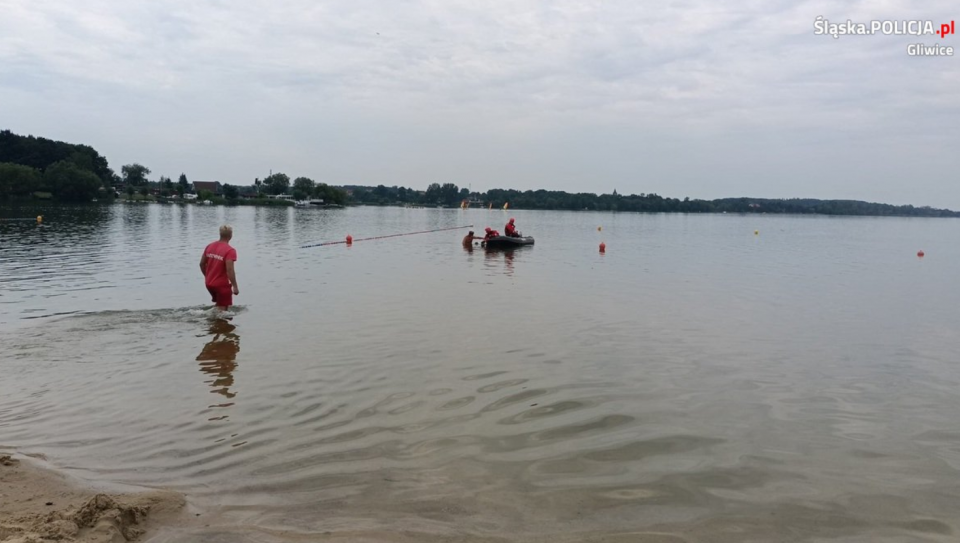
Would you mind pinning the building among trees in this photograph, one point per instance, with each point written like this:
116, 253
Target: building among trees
214, 187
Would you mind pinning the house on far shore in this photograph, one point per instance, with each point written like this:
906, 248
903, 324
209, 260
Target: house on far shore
213, 186
248, 191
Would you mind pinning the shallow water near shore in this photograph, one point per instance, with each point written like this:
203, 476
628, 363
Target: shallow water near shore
698, 382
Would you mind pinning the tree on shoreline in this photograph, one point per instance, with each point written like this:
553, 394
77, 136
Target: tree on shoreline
41, 153
166, 186
39, 156
135, 174
71, 182
231, 192
330, 195
18, 180
277, 183
183, 186
303, 188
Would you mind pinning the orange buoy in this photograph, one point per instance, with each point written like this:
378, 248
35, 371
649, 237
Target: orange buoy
603, 247
349, 239
920, 254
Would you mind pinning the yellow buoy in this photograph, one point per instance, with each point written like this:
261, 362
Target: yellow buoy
756, 232
39, 219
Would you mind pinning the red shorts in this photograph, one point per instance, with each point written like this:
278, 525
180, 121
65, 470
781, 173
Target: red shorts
222, 296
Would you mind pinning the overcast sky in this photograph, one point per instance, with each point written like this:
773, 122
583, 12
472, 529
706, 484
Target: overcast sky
682, 98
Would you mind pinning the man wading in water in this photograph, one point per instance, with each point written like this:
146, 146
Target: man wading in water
468, 240
216, 264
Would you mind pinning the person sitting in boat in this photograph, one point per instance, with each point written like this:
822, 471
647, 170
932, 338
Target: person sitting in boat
511, 230
468, 239
490, 233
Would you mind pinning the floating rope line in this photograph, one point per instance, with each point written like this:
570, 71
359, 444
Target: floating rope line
351, 240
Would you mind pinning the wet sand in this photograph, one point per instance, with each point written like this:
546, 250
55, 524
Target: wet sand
38, 504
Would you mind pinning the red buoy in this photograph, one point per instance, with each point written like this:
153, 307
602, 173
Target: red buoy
349, 239
603, 247
920, 254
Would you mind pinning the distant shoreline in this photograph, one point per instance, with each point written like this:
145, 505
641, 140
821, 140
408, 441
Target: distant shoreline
926, 213
40, 169
450, 195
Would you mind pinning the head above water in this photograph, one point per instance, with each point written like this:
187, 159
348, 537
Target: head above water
226, 232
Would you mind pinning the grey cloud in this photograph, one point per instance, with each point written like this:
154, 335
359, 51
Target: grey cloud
684, 98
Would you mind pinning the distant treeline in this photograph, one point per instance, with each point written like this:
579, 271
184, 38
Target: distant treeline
825, 207
30, 165
451, 196
70, 172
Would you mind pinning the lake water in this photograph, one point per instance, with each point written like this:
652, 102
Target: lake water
698, 382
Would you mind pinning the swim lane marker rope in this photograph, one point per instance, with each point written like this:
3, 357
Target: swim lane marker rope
350, 240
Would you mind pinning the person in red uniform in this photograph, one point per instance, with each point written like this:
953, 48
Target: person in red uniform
216, 264
490, 233
511, 230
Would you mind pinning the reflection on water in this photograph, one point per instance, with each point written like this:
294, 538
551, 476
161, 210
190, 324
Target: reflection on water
504, 257
218, 358
276, 221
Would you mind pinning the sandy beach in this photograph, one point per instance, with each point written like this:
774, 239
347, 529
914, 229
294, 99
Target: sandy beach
39, 504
